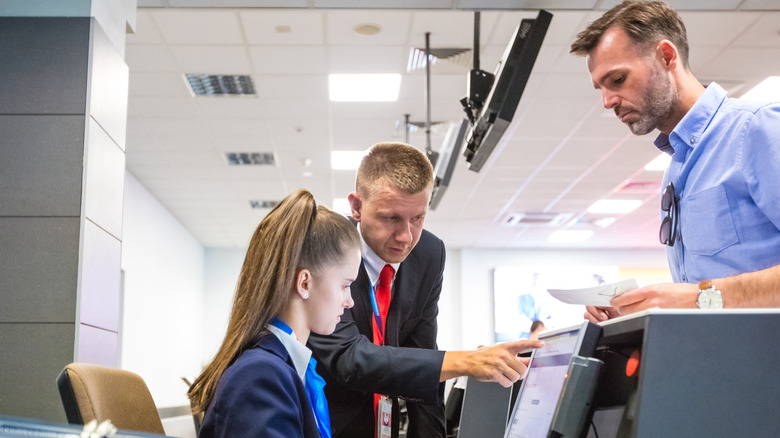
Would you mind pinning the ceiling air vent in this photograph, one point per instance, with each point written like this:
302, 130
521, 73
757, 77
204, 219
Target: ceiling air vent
455, 55
437, 127
221, 85
535, 218
262, 204
250, 158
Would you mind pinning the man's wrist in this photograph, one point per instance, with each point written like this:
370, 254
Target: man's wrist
452, 365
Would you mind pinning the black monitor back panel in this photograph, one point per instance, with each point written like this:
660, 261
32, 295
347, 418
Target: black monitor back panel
700, 374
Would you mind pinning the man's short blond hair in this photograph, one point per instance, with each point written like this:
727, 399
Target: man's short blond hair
396, 164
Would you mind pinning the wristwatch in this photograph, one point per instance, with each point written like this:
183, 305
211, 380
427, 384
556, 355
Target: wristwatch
709, 297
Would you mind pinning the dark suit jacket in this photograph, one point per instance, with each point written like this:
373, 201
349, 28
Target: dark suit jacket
354, 368
260, 395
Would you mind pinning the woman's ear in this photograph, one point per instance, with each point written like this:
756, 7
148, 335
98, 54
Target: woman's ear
303, 283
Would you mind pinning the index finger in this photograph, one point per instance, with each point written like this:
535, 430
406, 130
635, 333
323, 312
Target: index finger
516, 347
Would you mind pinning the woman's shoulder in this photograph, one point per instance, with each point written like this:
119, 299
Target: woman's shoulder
268, 355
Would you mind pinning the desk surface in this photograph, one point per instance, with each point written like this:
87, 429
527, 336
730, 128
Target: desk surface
16, 427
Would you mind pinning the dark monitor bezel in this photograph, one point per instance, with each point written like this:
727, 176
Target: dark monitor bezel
448, 158
587, 341
511, 77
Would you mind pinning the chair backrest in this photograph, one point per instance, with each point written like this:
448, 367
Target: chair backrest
196, 418
93, 392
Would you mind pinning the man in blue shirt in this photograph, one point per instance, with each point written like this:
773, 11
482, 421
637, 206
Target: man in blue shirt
721, 202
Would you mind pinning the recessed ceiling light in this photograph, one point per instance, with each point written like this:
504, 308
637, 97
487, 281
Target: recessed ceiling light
614, 206
768, 89
566, 236
346, 160
659, 163
341, 205
364, 87
368, 29
605, 221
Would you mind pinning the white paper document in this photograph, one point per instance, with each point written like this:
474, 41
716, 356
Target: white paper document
593, 296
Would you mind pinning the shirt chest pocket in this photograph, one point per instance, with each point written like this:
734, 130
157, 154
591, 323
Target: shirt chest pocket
706, 223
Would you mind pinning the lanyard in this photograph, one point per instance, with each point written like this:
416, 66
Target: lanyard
377, 316
278, 323
313, 384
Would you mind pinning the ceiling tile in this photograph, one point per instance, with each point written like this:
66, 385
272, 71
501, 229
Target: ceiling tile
393, 25
146, 31
283, 27
292, 86
222, 107
456, 28
164, 107
288, 60
562, 152
199, 27
764, 32
739, 62
362, 59
146, 58
230, 60
748, 5
163, 84
701, 32
298, 108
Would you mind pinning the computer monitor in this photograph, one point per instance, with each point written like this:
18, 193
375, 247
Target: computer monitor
448, 157
508, 85
540, 392
485, 410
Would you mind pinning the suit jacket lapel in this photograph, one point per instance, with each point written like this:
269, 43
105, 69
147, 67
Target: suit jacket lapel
361, 289
406, 283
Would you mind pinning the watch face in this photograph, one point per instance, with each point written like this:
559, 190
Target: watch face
710, 299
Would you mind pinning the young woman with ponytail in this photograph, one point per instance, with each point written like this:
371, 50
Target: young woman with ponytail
295, 281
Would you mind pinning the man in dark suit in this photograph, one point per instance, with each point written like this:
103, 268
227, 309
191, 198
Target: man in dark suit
393, 189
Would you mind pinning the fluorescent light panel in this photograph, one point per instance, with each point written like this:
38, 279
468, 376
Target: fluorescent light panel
341, 205
364, 87
768, 90
568, 236
659, 163
614, 206
346, 160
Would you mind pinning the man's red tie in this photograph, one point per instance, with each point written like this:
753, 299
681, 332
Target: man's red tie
383, 288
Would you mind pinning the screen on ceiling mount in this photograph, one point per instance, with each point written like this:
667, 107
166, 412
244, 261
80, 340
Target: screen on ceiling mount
448, 157
510, 80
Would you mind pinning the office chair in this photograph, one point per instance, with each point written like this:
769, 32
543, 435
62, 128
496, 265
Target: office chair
196, 418
93, 392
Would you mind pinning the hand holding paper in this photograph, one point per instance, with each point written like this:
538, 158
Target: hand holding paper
599, 295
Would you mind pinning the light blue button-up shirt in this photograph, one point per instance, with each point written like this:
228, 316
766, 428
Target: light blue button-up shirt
726, 170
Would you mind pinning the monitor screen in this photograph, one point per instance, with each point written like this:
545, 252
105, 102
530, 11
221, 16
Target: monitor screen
510, 80
448, 157
541, 389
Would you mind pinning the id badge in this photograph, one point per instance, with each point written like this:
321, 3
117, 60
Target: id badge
384, 417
